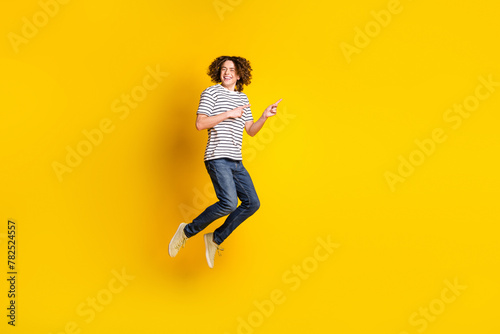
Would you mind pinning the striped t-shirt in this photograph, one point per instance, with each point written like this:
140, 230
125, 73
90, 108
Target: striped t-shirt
224, 139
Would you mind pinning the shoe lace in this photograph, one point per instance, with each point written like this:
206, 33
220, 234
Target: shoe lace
219, 249
180, 243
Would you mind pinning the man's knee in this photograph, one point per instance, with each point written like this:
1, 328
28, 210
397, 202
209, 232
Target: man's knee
254, 205
229, 206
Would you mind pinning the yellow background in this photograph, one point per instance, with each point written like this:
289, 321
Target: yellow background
319, 171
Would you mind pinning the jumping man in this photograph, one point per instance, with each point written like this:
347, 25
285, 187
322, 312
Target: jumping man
225, 111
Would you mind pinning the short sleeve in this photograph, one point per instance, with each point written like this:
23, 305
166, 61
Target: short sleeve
207, 103
247, 112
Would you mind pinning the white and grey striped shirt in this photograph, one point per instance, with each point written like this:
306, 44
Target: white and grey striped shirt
224, 139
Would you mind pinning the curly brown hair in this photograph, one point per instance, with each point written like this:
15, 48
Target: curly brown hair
243, 69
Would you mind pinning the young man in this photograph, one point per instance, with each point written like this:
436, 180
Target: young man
225, 111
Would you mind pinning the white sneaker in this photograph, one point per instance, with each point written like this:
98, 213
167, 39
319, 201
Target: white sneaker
211, 247
178, 241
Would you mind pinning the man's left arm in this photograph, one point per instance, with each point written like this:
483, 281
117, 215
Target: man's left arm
253, 127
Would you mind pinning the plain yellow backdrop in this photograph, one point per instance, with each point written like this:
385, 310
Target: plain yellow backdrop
351, 237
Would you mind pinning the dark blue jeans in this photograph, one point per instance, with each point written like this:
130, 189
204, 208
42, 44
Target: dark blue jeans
231, 181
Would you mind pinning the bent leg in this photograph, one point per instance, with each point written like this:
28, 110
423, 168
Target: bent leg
250, 203
221, 175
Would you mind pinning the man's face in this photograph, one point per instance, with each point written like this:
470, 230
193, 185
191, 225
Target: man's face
228, 73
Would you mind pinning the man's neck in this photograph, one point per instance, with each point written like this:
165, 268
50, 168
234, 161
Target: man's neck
231, 88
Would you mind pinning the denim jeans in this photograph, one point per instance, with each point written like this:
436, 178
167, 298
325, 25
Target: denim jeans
231, 181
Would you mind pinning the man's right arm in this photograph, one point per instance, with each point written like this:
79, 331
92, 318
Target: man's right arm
206, 122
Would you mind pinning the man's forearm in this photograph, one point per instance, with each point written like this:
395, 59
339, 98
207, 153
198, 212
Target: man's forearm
256, 126
208, 122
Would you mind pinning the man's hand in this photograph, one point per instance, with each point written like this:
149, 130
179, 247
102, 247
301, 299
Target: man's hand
271, 110
237, 112
252, 128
